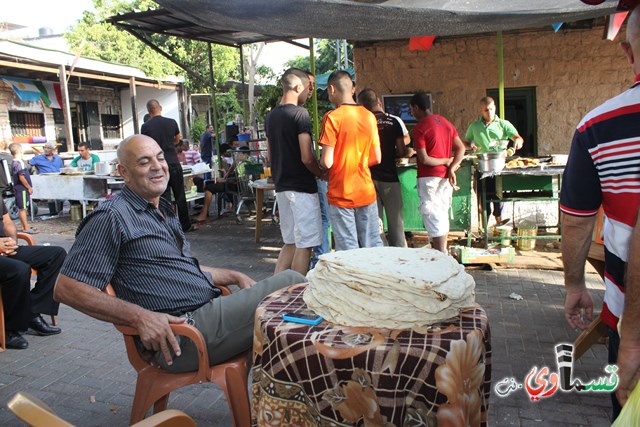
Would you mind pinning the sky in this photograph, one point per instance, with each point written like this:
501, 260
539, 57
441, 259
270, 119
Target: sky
59, 15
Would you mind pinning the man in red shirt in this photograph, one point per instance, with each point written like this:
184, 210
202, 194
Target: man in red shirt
434, 139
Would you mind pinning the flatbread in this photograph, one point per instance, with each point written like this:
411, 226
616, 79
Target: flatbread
388, 287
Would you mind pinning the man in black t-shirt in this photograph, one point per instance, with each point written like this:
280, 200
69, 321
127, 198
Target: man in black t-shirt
294, 168
166, 133
385, 175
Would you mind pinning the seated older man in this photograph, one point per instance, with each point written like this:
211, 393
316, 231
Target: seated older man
134, 241
23, 309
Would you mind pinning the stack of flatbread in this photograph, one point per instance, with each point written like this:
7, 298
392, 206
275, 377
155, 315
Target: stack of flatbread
388, 287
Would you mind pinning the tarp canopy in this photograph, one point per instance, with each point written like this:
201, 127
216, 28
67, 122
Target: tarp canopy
322, 79
370, 20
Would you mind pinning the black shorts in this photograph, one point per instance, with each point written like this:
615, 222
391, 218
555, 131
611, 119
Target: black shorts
22, 197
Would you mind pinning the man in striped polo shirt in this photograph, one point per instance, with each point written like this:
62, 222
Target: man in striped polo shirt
134, 242
604, 170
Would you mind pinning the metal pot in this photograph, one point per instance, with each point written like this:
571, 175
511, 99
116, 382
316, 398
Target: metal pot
101, 168
491, 161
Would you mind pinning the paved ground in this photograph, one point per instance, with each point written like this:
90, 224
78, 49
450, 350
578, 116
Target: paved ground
83, 373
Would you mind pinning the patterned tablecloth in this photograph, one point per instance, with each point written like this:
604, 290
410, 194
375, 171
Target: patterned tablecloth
331, 375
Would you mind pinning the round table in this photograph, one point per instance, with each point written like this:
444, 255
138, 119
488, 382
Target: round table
335, 375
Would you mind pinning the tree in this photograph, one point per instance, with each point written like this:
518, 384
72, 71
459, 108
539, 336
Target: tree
93, 37
326, 58
251, 64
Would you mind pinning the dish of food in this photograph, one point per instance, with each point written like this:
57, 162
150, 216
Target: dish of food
521, 162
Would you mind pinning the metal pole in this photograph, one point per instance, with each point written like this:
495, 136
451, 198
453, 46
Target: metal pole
314, 98
338, 56
134, 107
245, 105
346, 53
66, 107
214, 106
501, 74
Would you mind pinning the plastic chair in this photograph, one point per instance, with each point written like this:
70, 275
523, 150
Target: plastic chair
246, 172
154, 384
3, 339
36, 413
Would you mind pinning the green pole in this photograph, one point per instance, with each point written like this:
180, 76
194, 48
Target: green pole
314, 98
501, 74
214, 105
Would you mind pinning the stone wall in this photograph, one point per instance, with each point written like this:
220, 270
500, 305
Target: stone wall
573, 71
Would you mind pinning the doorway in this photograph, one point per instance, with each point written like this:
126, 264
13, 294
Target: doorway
85, 124
520, 110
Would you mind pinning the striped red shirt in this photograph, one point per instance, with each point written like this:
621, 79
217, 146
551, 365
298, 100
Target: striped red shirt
604, 169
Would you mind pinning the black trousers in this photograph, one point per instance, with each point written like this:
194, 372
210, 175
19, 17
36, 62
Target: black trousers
15, 276
176, 185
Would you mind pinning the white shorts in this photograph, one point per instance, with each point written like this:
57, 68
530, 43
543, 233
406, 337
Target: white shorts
300, 218
435, 199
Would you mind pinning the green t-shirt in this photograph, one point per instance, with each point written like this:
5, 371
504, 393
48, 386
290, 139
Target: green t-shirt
85, 164
481, 134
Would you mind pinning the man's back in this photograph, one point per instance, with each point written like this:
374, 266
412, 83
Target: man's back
206, 145
283, 125
163, 130
435, 134
389, 130
351, 130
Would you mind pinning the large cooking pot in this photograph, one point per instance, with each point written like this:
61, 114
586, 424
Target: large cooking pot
491, 161
101, 168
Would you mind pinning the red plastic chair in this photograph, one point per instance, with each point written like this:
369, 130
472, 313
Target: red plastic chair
154, 384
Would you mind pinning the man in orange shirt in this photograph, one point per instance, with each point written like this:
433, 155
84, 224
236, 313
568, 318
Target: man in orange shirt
350, 144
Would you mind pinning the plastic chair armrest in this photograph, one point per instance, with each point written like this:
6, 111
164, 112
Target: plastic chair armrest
27, 238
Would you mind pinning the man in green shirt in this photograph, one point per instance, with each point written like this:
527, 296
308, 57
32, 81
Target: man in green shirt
479, 135
85, 160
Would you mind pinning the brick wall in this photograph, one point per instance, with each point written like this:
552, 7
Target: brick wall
573, 71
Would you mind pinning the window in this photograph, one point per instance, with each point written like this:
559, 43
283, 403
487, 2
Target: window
110, 126
30, 124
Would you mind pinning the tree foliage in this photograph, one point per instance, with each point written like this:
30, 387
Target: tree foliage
92, 36
326, 58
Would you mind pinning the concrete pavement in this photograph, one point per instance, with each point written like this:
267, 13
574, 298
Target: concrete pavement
84, 376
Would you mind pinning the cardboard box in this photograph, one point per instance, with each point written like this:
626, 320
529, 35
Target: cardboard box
466, 255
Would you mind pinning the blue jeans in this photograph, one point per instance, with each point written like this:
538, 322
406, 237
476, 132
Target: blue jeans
325, 246
355, 227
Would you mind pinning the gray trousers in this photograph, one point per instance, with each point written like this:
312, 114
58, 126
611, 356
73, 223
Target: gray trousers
227, 323
390, 199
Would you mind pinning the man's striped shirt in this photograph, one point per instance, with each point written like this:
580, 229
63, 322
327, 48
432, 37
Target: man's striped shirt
604, 169
142, 252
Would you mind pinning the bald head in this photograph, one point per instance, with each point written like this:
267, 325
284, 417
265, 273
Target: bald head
341, 81
153, 107
631, 46
633, 25
128, 147
293, 77
143, 168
